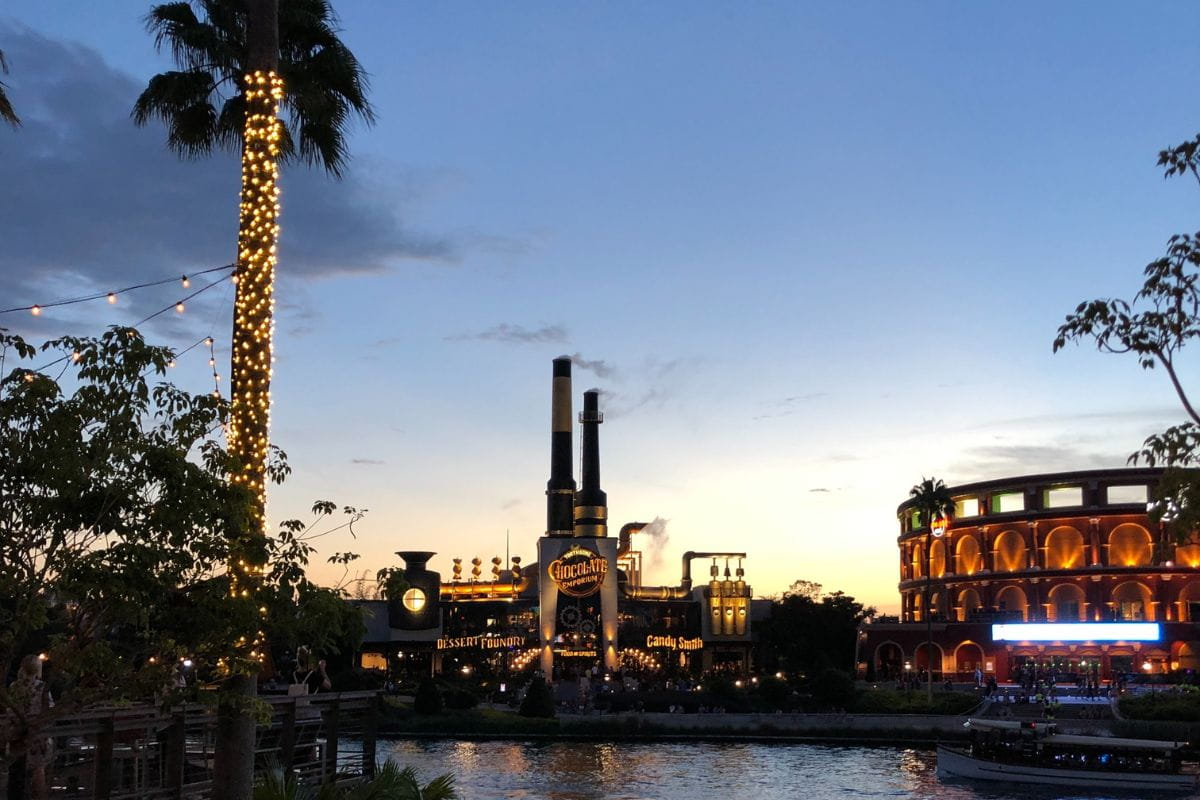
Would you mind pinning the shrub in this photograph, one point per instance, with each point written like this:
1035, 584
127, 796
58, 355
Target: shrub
833, 688
459, 699
428, 699
539, 699
888, 701
1177, 706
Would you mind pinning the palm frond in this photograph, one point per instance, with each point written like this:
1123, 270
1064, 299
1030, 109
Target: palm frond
7, 112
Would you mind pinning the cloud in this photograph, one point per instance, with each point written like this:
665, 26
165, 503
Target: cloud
515, 334
789, 405
820, 489
91, 202
989, 461
508, 505
371, 462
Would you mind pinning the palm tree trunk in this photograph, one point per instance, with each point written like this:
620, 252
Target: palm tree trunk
253, 322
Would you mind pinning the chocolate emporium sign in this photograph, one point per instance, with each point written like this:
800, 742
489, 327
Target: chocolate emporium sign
578, 572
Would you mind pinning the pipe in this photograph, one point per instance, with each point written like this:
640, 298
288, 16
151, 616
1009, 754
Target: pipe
591, 503
680, 592
560, 489
483, 590
625, 536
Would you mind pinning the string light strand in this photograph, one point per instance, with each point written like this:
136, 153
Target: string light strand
111, 296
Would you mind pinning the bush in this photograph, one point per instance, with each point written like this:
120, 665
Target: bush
459, 699
1175, 706
428, 699
356, 680
539, 700
775, 694
888, 701
833, 688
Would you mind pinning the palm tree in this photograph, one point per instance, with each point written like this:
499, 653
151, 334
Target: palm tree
932, 501
390, 783
202, 103
7, 113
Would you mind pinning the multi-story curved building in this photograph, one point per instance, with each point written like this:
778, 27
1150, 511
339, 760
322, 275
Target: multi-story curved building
1066, 547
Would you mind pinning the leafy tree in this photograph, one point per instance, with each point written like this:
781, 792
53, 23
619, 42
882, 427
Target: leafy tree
833, 688
538, 700
1155, 326
390, 783
114, 518
806, 634
7, 112
201, 102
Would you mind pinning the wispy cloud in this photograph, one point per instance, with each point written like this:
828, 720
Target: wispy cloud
597, 366
508, 505
372, 462
511, 333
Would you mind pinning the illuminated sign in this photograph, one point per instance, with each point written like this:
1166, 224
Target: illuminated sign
578, 572
674, 642
480, 642
1077, 632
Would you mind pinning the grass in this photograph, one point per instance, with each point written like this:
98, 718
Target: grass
891, 701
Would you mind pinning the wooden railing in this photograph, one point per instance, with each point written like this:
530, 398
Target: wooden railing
141, 752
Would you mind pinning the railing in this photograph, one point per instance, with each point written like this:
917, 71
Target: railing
143, 753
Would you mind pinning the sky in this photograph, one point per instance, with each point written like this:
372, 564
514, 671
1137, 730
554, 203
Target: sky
810, 253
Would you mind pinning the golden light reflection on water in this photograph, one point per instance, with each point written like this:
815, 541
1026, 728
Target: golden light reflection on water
491, 770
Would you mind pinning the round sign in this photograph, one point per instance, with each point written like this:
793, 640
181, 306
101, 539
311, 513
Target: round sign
578, 572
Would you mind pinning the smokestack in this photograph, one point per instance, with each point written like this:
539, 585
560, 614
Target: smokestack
560, 489
591, 503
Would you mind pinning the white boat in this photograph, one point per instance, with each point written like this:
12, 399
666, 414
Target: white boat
1034, 752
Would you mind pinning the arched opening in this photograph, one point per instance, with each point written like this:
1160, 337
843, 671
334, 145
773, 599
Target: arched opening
1189, 602
1064, 548
967, 657
1012, 599
917, 560
967, 559
1131, 601
889, 661
1009, 550
1130, 545
937, 558
1066, 604
1188, 656
968, 604
921, 658
1187, 555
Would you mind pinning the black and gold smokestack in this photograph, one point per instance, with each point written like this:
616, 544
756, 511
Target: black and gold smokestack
591, 503
560, 489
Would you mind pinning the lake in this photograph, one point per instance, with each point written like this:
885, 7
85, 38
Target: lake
487, 770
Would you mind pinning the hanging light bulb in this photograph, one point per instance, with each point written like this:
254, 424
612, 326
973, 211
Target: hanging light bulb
186, 283
179, 307
112, 298
35, 310
76, 356
171, 363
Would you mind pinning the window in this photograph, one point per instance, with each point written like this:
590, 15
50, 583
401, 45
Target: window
414, 600
1120, 495
1063, 497
1010, 501
1066, 610
966, 507
1130, 610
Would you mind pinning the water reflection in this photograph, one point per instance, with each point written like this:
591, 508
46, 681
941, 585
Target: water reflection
695, 771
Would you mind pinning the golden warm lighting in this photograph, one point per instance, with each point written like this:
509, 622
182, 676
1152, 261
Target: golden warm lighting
112, 298
186, 283
35, 310
179, 307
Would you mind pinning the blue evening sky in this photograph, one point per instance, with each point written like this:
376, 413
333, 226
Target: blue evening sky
813, 252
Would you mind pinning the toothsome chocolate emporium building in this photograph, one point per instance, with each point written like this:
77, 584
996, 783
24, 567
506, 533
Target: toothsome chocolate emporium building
1063, 570
581, 606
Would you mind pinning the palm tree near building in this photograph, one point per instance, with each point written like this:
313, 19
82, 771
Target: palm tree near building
203, 106
932, 501
7, 112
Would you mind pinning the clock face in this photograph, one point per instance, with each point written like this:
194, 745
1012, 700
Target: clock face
414, 600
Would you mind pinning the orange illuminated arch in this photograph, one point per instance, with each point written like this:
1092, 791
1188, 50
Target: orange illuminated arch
1012, 598
1009, 547
1066, 596
917, 560
1131, 601
1187, 555
1064, 548
968, 601
1130, 545
968, 656
1188, 596
937, 558
967, 560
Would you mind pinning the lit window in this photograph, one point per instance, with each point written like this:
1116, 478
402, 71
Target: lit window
1011, 501
1120, 495
966, 507
1063, 497
414, 600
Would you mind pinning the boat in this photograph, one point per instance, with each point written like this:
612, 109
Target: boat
1014, 751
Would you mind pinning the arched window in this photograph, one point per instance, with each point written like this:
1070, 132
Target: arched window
967, 560
1011, 598
1129, 545
968, 603
967, 657
1187, 555
917, 560
1189, 602
1064, 548
1010, 552
1067, 603
1131, 601
937, 558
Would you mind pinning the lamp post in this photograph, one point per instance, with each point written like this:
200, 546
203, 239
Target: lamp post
937, 529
